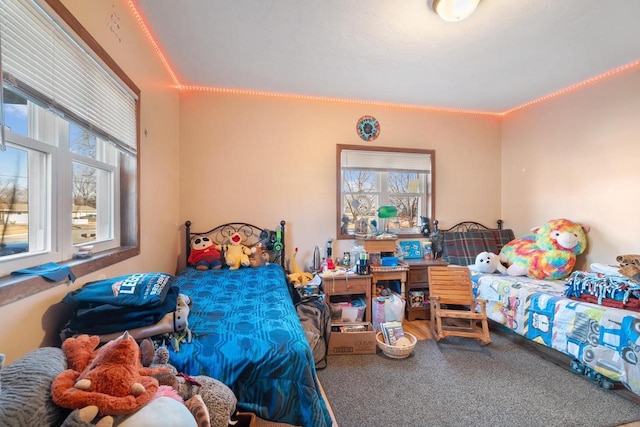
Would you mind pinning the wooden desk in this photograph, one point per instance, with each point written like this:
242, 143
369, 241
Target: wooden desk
418, 279
349, 284
389, 273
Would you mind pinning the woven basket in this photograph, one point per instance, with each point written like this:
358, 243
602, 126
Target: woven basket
396, 352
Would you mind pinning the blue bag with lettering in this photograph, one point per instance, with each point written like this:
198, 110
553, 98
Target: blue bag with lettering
142, 289
121, 303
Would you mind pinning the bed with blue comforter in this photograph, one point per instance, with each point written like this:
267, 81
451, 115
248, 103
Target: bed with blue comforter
246, 333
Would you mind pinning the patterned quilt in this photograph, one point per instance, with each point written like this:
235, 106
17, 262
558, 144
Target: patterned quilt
246, 334
605, 339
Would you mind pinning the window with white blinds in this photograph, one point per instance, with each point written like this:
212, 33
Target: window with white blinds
44, 61
69, 150
370, 178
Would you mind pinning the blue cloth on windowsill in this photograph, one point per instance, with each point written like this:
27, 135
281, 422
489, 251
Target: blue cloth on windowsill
50, 271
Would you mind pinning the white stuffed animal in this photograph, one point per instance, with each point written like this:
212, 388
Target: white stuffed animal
488, 262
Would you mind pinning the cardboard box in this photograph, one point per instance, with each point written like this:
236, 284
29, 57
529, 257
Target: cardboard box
246, 419
341, 343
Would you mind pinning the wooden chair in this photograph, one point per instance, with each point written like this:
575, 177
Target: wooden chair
451, 297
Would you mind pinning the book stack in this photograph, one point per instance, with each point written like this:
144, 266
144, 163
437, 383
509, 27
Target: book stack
348, 328
394, 334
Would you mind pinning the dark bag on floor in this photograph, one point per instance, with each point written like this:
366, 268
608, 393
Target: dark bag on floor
315, 316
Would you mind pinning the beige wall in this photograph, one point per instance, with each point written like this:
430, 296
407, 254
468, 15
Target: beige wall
158, 171
577, 156
259, 160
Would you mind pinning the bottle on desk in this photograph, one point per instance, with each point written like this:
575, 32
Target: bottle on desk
317, 260
362, 264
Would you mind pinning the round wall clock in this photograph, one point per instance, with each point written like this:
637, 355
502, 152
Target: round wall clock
368, 128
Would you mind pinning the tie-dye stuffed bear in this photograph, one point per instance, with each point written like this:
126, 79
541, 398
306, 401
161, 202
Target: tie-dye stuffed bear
549, 253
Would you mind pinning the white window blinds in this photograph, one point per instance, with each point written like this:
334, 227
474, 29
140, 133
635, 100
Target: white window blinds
385, 160
45, 63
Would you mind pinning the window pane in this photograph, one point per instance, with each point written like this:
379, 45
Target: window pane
356, 181
14, 108
81, 141
361, 199
405, 193
84, 214
14, 202
92, 210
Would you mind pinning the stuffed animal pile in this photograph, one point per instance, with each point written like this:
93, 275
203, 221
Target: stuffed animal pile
133, 385
217, 401
549, 253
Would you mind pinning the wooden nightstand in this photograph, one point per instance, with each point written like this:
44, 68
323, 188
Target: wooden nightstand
418, 279
349, 284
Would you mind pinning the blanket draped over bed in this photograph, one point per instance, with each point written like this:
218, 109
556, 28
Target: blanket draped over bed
246, 334
605, 339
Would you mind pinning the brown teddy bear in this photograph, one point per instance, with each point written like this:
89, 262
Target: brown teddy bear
259, 256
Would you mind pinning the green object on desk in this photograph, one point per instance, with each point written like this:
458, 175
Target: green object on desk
387, 211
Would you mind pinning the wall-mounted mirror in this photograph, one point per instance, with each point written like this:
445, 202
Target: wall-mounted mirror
371, 180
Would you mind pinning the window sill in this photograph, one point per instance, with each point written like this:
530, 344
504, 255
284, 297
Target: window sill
14, 288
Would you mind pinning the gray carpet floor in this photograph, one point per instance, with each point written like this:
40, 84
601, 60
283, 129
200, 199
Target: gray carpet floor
457, 382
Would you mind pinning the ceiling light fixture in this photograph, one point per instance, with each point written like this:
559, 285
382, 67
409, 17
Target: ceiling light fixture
453, 10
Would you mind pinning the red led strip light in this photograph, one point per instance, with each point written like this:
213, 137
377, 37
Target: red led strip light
180, 86
147, 32
575, 86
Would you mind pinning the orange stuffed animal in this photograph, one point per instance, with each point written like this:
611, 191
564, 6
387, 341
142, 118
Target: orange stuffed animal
80, 351
114, 379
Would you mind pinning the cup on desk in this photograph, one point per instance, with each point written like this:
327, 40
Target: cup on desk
426, 250
362, 267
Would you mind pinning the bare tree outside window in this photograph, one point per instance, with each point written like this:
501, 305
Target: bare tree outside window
84, 182
401, 185
14, 203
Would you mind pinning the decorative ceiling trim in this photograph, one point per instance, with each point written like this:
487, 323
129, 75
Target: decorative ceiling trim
575, 86
330, 99
145, 29
138, 16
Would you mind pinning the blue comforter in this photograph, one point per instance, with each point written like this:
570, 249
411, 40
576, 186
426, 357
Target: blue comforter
246, 334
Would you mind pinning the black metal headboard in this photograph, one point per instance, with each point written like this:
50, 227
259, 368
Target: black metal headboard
437, 236
465, 226
273, 240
